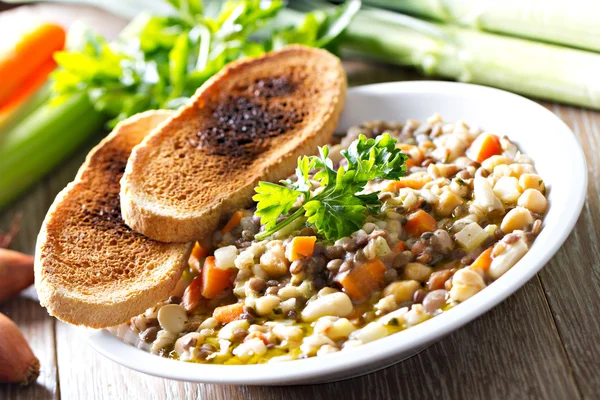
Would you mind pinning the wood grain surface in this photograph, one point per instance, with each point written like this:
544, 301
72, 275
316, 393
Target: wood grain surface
541, 343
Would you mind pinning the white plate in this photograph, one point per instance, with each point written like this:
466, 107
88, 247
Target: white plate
538, 132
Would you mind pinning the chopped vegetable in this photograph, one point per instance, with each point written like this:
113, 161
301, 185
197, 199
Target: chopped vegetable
399, 247
226, 314
340, 208
301, 246
484, 260
198, 251
193, 294
216, 282
363, 279
420, 222
235, 220
485, 146
34, 49
408, 182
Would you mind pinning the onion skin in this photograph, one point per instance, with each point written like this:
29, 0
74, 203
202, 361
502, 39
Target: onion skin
16, 273
18, 364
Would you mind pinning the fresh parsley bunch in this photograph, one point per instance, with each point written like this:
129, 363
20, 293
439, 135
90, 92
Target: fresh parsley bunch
160, 60
341, 207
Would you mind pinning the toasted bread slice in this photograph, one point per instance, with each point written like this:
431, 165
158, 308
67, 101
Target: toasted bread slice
90, 268
249, 122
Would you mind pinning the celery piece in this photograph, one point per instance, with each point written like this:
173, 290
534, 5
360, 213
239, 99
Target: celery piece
41, 141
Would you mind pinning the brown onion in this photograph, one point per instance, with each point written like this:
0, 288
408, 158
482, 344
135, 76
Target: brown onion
18, 364
16, 273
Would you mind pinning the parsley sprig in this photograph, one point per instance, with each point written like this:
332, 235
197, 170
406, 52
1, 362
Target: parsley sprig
341, 207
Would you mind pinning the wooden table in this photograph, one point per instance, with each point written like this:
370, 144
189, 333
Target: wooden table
541, 343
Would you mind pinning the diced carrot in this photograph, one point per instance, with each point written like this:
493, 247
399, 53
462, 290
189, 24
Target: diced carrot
226, 314
484, 260
408, 182
257, 334
420, 222
30, 52
399, 247
198, 251
301, 246
363, 279
215, 281
484, 147
234, 221
193, 294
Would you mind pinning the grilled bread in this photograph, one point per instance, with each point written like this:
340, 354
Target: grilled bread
90, 268
249, 122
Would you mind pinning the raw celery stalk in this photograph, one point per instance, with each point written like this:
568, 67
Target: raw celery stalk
573, 23
41, 141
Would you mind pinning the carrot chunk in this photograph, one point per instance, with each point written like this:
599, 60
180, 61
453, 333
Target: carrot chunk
216, 282
399, 247
420, 222
226, 314
301, 246
485, 146
193, 294
363, 279
484, 260
234, 221
408, 182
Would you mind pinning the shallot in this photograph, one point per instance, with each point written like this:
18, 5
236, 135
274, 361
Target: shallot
18, 364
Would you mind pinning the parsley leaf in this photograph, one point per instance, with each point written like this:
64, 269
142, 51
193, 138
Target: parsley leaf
340, 208
273, 200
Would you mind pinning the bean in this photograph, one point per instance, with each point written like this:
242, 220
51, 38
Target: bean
206, 350
350, 245
402, 259
423, 258
418, 296
172, 318
390, 275
239, 333
272, 282
334, 265
362, 241
346, 266
537, 227
256, 284
511, 239
149, 335
297, 267
272, 290
467, 260
438, 279
359, 256
189, 343
247, 235
307, 232
434, 300
292, 314
334, 252
417, 247
464, 174
318, 249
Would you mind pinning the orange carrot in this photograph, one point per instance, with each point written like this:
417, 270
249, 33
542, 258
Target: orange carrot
215, 281
408, 182
235, 220
302, 246
420, 222
363, 279
484, 260
33, 83
198, 251
485, 146
193, 294
34, 49
399, 247
226, 314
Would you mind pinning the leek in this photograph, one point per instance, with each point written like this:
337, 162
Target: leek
42, 141
573, 23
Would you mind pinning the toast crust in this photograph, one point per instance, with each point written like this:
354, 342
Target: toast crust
90, 268
250, 122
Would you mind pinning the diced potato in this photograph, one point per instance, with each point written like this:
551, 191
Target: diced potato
507, 189
517, 170
417, 271
273, 261
448, 201
471, 236
376, 248
225, 257
402, 290
266, 304
371, 332
490, 229
485, 199
532, 181
465, 284
534, 201
508, 258
336, 304
494, 161
340, 329
518, 218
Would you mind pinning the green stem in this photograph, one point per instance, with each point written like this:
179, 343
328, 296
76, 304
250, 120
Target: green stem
281, 224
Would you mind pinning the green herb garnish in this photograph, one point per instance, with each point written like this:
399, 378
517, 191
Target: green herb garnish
341, 207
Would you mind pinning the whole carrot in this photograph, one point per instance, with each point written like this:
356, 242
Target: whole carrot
34, 49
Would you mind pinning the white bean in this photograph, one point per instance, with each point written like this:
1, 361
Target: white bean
172, 318
336, 304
